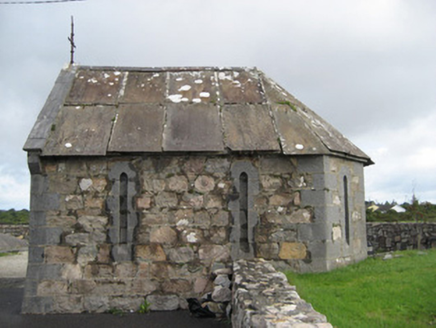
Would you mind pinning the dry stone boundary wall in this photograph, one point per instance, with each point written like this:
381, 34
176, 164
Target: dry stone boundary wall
21, 230
262, 297
386, 236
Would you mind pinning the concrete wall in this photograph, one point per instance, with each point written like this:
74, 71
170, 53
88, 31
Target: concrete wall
183, 221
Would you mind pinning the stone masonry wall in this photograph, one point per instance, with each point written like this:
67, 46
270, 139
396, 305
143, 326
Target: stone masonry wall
184, 229
15, 230
387, 236
262, 297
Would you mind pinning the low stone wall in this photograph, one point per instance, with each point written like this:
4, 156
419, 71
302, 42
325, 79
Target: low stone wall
262, 297
15, 230
387, 236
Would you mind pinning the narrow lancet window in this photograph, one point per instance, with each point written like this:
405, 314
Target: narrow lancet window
123, 208
243, 212
347, 211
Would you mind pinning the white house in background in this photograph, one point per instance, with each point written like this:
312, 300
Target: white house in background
398, 209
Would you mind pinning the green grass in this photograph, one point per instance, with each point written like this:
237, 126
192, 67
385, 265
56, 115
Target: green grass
396, 293
9, 253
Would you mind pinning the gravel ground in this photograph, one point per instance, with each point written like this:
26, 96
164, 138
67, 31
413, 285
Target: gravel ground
13, 266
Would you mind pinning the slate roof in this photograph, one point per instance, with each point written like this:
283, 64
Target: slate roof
97, 111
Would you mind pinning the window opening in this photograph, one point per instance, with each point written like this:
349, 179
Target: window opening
123, 208
243, 212
347, 213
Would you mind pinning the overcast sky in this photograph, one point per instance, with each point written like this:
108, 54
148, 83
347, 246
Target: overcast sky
366, 66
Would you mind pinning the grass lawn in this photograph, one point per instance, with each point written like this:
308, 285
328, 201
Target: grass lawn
396, 293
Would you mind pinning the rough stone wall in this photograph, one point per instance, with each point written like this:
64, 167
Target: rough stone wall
181, 224
262, 297
387, 236
21, 230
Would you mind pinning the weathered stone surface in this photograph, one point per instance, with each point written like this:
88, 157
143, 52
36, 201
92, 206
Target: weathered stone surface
52, 287
268, 251
336, 233
181, 254
73, 202
218, 235
221, 294
192, 236
192, 200
217, 165
270, 183
201, 219
67, 303
153, 252
63, 221
222, 280
93, 223
212, 253
126, 270
104, 253
201, 285
166, 199
96, 304
71, 272
280, 200
220, 219
163, 235
83, 287
154, 185
299, 216
87, 254
177, 286
289, 251
143, 202
94, 270
85, 184
126, 304
163, 302
204, 184
177, 184
77, 239
58, 254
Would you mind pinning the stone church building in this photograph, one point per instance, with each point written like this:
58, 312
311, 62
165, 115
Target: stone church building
145, 180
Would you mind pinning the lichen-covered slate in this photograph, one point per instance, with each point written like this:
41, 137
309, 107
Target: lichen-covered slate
193, 128
77, 131
249, 128
95, 87
206, 109
295, 137
145, 87
138, 128
240, 87
41, 130
192, 87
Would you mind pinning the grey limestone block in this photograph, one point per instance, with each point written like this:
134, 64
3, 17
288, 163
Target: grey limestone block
163, 302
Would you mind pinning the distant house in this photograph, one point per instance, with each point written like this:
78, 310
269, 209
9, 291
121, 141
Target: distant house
145, 180
384, 208
398, 209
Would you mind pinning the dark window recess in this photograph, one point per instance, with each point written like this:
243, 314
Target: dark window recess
244, 216
243, 212
347, 211
123, 208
